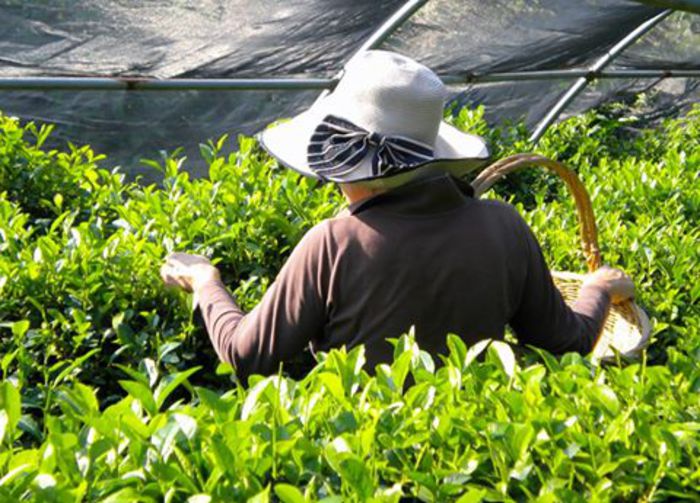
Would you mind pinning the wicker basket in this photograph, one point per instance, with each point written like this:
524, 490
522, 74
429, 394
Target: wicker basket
627, 327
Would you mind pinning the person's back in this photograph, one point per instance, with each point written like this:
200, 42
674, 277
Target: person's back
414, 248
429, 256
413, 258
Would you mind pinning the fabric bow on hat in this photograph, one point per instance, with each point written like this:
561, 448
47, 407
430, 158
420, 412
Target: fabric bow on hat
338, 146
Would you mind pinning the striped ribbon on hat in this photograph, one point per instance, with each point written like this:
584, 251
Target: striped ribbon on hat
337, 147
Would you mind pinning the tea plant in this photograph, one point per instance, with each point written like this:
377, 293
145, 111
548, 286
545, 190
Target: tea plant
110, 391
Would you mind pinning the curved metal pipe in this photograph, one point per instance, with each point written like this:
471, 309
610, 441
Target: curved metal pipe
381, 34
390, 25
601, 63
686, 5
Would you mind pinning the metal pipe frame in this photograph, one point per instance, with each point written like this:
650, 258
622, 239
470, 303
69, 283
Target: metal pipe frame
686, 5
374, 41
378, 37
389, 26
236, 84
145, 84
309, 84
476, 78
602, 62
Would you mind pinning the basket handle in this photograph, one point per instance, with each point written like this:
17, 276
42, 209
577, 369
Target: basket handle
589, 232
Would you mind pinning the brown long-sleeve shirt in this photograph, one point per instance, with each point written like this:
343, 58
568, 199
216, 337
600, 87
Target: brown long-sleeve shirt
426, 255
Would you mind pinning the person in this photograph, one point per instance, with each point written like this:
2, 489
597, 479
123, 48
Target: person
413, 249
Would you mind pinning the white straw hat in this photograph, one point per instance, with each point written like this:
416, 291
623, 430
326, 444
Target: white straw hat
384, 118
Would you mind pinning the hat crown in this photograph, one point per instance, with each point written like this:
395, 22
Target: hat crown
383, 120
390, 94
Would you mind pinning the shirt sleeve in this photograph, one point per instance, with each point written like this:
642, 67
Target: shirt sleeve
291, 313
543, 318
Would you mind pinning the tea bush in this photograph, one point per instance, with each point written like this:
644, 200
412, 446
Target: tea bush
111, 392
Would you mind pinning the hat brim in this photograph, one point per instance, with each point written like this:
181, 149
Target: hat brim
455, 152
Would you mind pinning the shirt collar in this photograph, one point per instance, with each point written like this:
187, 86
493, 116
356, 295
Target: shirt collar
435, 194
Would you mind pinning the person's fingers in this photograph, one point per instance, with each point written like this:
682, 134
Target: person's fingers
184, 284
177, 282
173, 274
180, 269
172, 269
176, 258
177, 266
165, 272
187, 258
171, 258
167, 275
170, 281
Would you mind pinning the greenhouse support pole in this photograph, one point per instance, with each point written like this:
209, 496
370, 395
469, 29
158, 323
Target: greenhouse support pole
534, 75
146, 84
306, 84
686, 5
382, 33
604, 61
390, 26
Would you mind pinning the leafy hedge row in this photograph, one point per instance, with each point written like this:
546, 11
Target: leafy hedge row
109, 387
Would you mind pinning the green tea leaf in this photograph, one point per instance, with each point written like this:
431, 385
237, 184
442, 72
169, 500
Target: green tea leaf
262, 497
19, 328
11, 404
473, 495
289, 494
169, 383
142, 393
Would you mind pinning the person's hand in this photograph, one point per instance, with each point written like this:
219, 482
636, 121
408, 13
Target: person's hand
188, 271
619, 286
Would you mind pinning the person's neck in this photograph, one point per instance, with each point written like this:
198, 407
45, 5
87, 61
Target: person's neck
355, 193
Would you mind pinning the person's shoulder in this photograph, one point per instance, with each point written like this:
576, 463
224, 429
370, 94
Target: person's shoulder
318, 232
328, 225
314, 243
503, 216
344, 230
342, 222
327, 231
330, 236
499, 208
